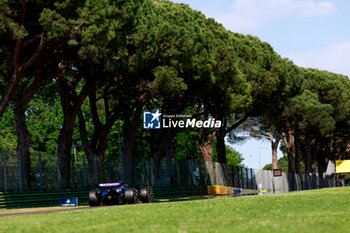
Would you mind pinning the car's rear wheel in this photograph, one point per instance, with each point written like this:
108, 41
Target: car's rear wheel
93, 199
145, 195
130, 196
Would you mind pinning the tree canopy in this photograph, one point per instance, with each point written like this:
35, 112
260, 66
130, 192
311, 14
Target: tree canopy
82, 72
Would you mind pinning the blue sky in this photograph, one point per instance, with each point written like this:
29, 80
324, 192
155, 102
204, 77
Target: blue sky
312, 33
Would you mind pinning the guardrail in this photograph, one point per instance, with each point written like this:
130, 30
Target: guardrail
173, 193
48, 199
39, 199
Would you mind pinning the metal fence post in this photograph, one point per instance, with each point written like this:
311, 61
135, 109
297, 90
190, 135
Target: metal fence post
152, 172
84, 172
121, 155
19, 166
176, 172
40, 173
95, 169
238, 179
166, 168
5, 170
242, 176
143, 171
73, 173
251, 179
159, 175
247, 178
133, 161
58, 172
207, 165
109, 168
196, 169
200, 173
122, 173
233, 176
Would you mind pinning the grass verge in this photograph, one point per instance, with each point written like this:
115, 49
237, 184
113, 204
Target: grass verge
325, 210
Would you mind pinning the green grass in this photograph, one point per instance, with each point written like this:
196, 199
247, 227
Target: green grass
326, 210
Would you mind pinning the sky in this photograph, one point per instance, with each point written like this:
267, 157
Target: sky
312, 33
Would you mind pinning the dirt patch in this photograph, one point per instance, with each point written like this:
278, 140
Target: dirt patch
44, 211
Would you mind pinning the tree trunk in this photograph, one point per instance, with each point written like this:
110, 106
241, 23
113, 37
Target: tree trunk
207, 151
95, 172
274, 147
220, 145
97, 146
308, 155
91, 168
156, 167
130, 126
165, 146
170, 155
170, 147
23, 142
64, 150
101, 150
289, 143
220, 137
297, 150
71, 103
129, 142
20, 66
314, 156
321, 163
205, 145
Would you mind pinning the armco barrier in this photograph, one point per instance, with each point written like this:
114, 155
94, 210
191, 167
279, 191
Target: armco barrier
172, 193
47, 199
39, 199
159, 193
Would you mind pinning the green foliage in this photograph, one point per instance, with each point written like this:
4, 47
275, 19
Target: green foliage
54, 23
113, 138
167, 81
312, 113
283, 164
9, 10
44, 120
160, 55
233, 157
8, 139
186, 146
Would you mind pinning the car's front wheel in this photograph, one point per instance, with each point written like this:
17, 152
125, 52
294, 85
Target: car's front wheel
93, 199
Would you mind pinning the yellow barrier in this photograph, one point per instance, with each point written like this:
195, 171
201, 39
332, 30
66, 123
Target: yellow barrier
217, 189
225, 190
342, 166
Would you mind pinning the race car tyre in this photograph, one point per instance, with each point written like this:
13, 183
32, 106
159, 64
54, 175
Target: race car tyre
145, 196
93, 199
130, 196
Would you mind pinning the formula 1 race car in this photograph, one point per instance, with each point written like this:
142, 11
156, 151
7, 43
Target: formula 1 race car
117, 194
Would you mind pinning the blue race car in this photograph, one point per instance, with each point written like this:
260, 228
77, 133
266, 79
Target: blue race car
117, 194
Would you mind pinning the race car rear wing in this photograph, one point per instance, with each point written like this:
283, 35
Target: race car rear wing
110, 185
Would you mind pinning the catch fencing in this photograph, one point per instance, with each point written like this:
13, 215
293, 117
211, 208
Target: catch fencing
268, 184
44, 174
